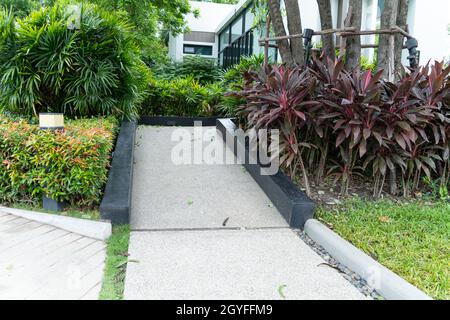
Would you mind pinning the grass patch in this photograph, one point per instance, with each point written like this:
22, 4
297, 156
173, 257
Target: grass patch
81, 213
410, 238
116, 264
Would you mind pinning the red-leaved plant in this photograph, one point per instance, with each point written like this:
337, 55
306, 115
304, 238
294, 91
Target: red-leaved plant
355, 123
280, 98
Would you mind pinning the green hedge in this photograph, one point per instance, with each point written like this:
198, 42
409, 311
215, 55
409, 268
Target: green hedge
204, 70
181, 97
186, 91
70, 165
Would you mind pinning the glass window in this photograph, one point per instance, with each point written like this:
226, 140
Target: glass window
224, 39
236, 29
196, 49
249, 18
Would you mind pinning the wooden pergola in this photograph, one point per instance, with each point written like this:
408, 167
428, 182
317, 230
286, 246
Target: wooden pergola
343, 33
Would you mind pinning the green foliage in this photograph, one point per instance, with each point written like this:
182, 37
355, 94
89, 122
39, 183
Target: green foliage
70, 165
20, 8
233, 80
150, 19
409, 238
74, 212
116, 264
197, 87
438, 190
233, 77
366, 64
181, 97
224, 1
202, 69
47, 66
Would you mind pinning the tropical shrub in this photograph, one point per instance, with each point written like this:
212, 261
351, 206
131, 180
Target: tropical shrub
69, 166
233, 80
181, 97
367, 64
50, 63
342, 124
204, 70
20, 8
197, 87
232, 77
281, 99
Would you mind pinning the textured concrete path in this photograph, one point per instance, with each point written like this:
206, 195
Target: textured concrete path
209, 232
38, 261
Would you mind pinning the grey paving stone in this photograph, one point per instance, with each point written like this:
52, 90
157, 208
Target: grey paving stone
169, 196
229, 264
42, 262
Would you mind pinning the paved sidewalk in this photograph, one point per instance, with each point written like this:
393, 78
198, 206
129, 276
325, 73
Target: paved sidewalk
209, 232
38, 261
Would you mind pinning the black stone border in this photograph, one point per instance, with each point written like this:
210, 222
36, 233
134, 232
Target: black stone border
177, 121
292, 203
116, 202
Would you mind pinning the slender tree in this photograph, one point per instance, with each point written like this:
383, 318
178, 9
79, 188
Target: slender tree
295, 27
402, 17
353, 46
326, 22
387, 41
278, 26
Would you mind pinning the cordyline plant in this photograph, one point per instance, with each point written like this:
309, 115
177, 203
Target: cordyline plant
349, 124
350, 108
280, 98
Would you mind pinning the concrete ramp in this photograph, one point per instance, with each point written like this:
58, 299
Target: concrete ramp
209, 232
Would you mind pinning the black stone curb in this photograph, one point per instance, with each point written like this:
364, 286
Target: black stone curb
177, 121
292, 203
116, 202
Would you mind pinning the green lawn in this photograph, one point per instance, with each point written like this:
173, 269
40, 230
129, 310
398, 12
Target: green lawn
89, 214
410, 238
116, 264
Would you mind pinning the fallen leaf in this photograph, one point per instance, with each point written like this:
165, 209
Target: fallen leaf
384, 219
280, 290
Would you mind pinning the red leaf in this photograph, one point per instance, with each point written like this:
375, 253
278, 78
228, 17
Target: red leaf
340, 139
366, 133
378, 137
400, 141
300, 114
389, 132
362, 148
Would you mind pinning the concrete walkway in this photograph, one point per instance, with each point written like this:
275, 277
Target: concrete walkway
38, 261
209, 232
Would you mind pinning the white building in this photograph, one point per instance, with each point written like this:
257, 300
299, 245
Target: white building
226, 32
202, 38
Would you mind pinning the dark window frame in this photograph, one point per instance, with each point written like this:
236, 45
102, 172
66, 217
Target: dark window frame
198, 46
232, 52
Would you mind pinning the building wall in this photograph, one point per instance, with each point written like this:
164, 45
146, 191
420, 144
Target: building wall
211, 15
428, 22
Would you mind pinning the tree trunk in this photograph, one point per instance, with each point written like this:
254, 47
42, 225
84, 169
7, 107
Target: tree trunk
393, 182
353, 47
295, 27
278, 26
402, 17
326, 22
385, 46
